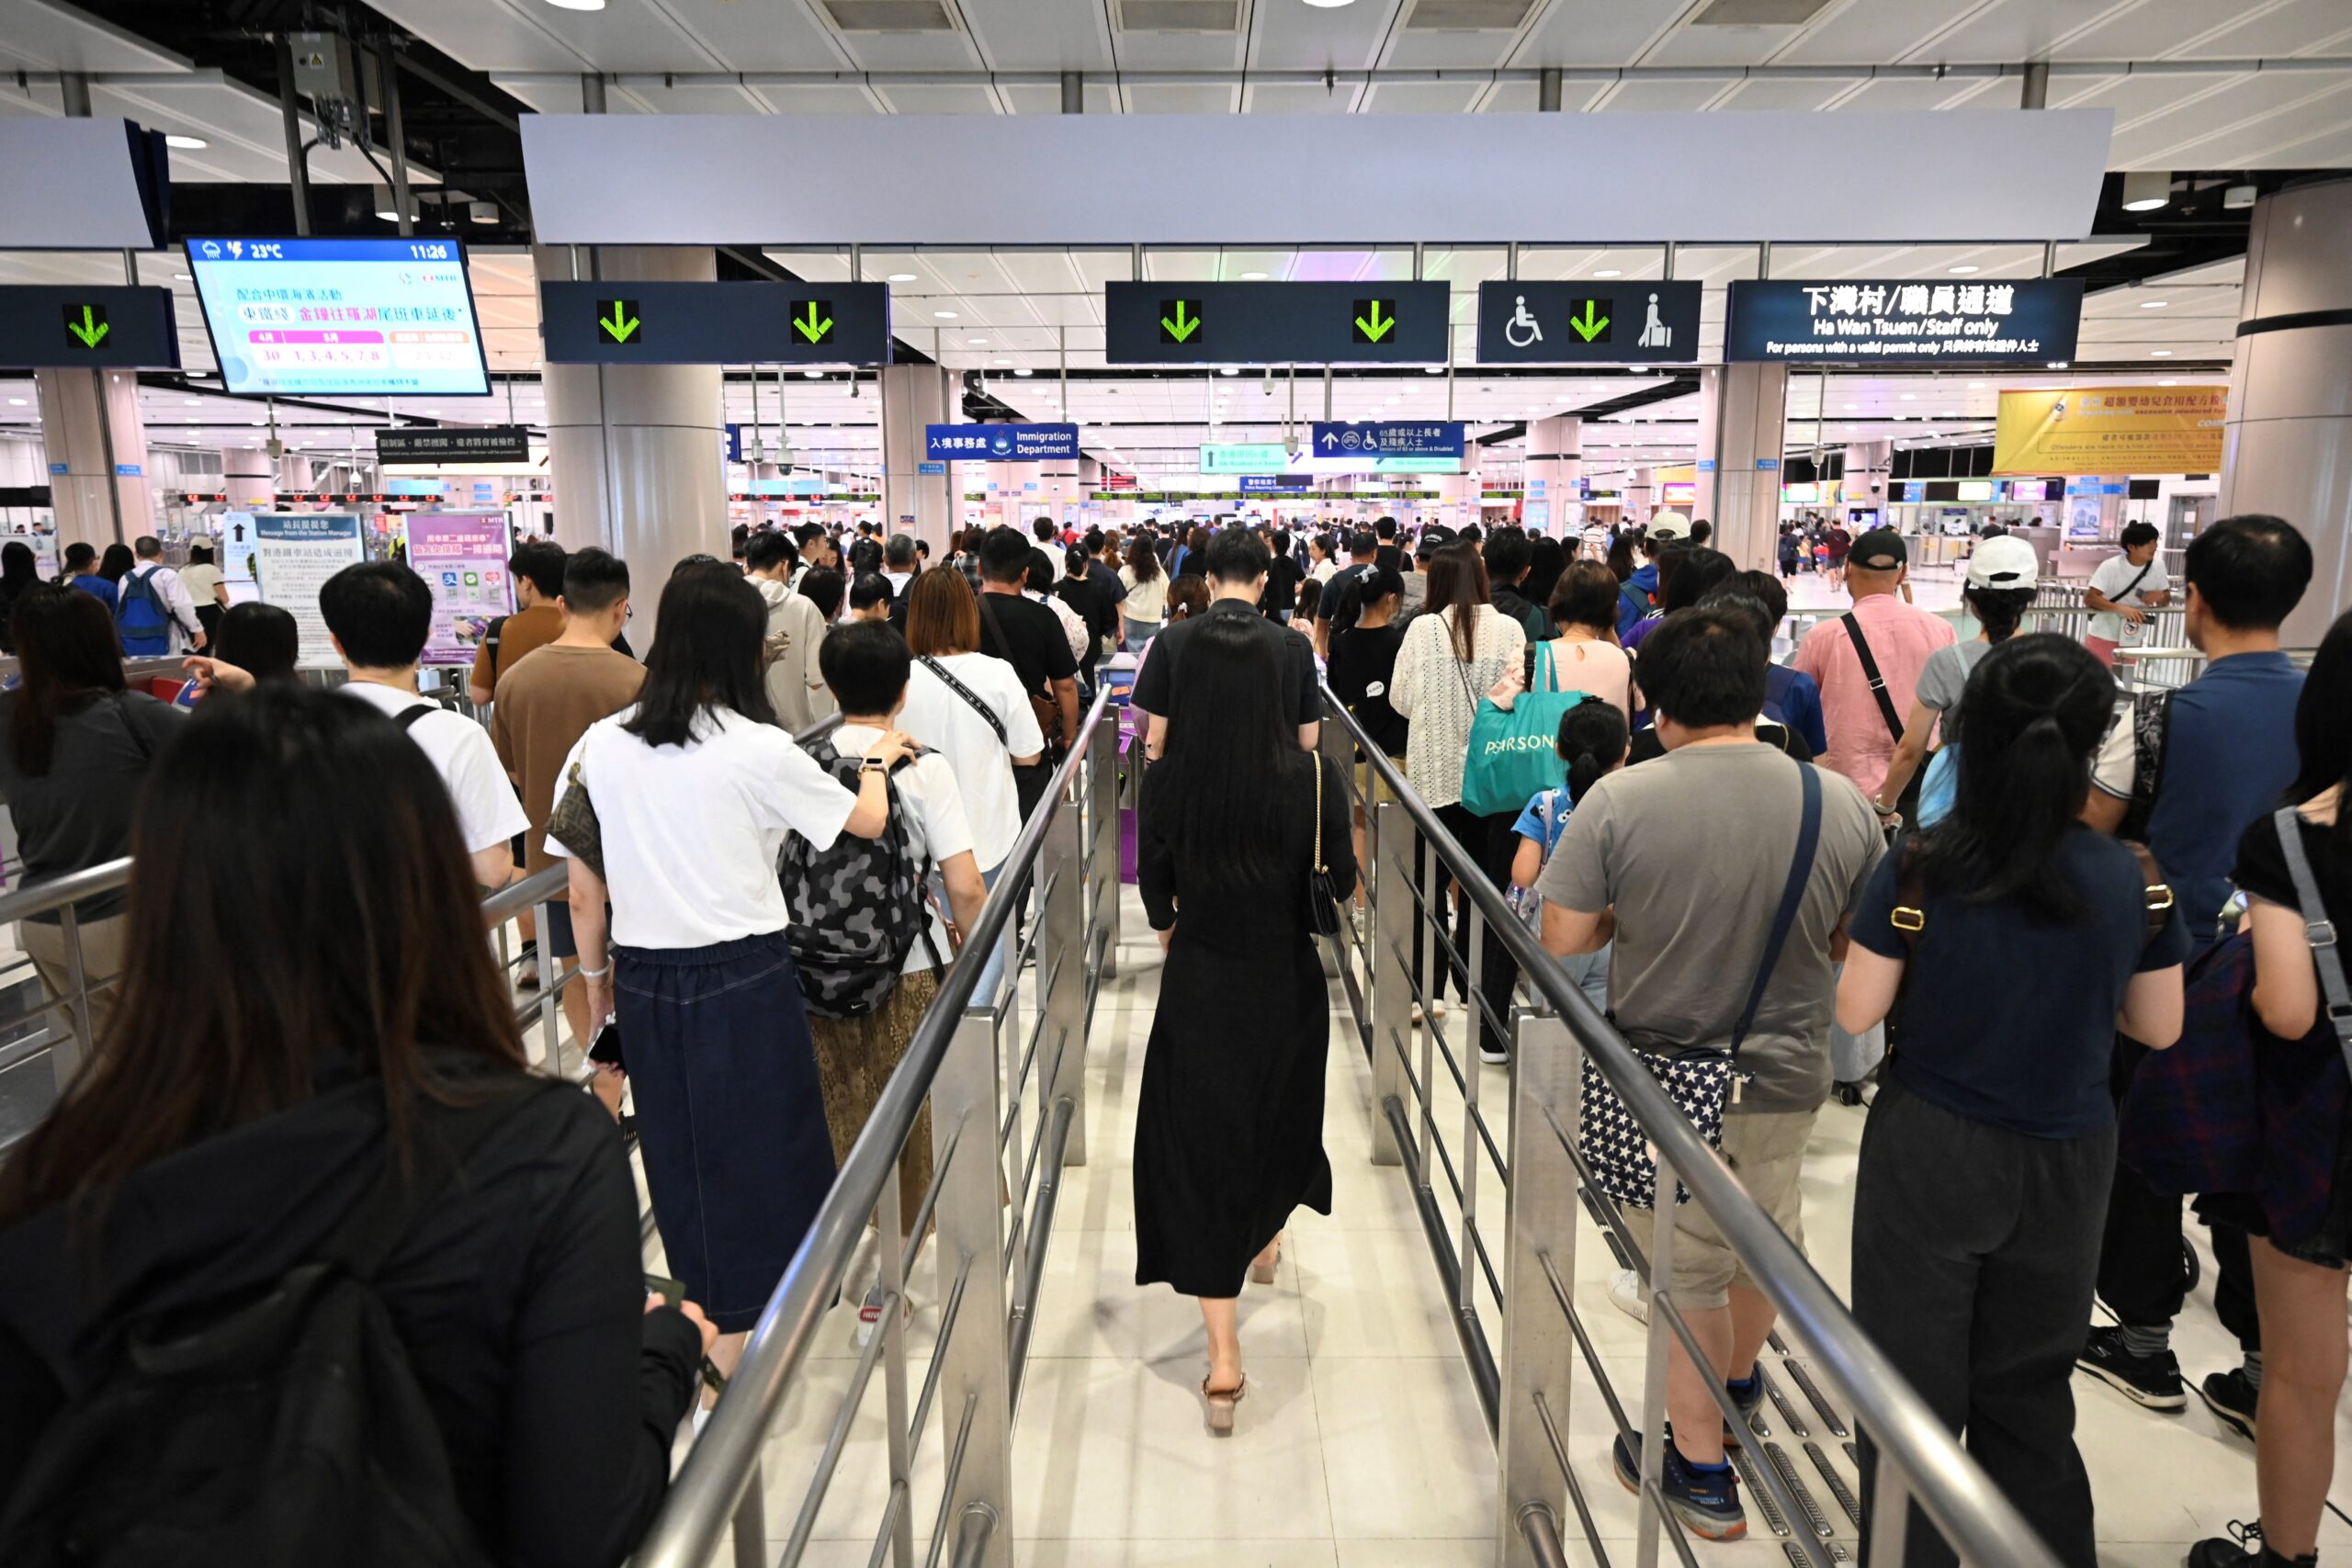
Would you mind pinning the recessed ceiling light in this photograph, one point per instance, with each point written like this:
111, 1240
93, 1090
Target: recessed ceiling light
15, 403
2160, 353
577, 4
901, 278
1910, 397
191, 402
1966, 267
1433, 369
975, 342
1948, 413
1609, 272
814, 375
1974, 385
1253, 278
1004, 361
1023, 370
2167, 383
1230, 370
2153, 304
944, 315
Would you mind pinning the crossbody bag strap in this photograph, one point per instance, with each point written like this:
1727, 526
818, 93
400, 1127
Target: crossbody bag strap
2318, 930
2155, 893
988, 613
2117, 597
1791, 899
961, 690
1870, 674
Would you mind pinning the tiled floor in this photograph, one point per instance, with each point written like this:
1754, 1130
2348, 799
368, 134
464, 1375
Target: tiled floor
1361, 1444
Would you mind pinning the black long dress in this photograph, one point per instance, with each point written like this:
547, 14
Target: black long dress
1229, 1133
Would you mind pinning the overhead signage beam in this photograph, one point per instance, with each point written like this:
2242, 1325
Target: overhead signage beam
1897, 321
1524, 322
117, 328
1275, 323
716, 324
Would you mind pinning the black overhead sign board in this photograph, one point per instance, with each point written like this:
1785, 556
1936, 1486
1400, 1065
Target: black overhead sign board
716, 324
1587, 323
1275, 323
455, 443
1897, 321
115, 328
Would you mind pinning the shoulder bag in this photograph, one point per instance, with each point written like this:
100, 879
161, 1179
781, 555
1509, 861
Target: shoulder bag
573, 822
1048, 711
1701, 1083
1908, 802
1323, 893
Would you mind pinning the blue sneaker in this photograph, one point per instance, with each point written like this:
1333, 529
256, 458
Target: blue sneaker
1706, 1501
1749, 1398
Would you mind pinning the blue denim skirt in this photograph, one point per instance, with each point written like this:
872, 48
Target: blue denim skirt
730, 1115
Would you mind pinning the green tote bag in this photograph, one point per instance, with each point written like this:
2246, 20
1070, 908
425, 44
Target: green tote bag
1514, 755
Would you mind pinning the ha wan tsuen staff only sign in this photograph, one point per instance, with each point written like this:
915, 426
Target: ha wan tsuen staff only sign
1898, 322
2111, 430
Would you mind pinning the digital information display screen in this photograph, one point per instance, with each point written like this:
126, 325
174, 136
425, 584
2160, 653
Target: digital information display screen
386, 318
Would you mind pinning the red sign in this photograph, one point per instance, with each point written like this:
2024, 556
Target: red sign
1117, 481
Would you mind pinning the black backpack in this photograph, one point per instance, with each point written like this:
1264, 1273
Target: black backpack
857, 908
279, 1425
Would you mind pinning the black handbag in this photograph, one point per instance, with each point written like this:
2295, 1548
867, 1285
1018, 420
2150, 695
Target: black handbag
1323, 893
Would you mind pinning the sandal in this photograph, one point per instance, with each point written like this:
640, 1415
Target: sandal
1220, 1405
1263, 1272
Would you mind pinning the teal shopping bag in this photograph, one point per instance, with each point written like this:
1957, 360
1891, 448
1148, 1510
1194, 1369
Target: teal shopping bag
1514, 756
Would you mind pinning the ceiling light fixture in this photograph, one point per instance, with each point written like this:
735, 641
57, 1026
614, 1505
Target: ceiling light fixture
1329, 5
1253, 278
577, 4
1229, 370
1910, 397
814, 375
900, 278
975, 342
2160, 353
16, 403
1023, 370
481, 212
2153, 304
2167, 383
944, 315
2145, 190
1609, 272
1433, 369
191, 144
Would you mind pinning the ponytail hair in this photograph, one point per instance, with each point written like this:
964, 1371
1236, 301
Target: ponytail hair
2030, 720
1998, 610
1592, 743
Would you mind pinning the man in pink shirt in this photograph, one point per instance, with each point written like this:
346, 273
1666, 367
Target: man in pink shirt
1866, 721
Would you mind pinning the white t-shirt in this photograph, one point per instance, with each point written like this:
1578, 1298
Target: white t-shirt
462, 752
937, 830
2109, 578
200, 580
692, 832
936, 715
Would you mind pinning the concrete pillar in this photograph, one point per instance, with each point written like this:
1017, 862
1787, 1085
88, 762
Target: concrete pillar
2287, 441
90, 424
1641, 495
1058, 486
1555, 462
1867, 464
915, 502
249, 478
636, 453
1743, 419
294, 476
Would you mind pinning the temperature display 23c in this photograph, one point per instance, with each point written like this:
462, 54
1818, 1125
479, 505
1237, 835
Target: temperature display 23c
384, 317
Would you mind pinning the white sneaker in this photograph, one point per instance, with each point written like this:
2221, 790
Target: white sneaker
1438, 1007
1417, 1015
1625, 1293
1494, 1058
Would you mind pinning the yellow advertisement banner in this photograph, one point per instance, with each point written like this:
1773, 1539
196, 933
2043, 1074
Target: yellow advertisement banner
2111, 430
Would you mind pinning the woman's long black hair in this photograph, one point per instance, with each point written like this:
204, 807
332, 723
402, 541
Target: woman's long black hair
2323, 729
1998, 610
706, 655
1592, 743
2030, 720
1231, 742
69, 654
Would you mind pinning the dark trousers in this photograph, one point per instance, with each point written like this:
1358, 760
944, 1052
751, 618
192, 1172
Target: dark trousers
2142, 1274
1973, 1271
1490, 841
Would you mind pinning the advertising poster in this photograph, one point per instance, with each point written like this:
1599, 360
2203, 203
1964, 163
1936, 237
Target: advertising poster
2111, 430
462, 557
294, 554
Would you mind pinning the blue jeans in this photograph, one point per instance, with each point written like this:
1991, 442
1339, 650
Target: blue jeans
1140, 633
1590, 972
991, 978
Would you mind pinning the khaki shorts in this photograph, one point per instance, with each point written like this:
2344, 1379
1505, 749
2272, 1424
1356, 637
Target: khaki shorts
1766, 1152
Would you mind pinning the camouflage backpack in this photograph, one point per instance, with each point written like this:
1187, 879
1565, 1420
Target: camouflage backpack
857, 908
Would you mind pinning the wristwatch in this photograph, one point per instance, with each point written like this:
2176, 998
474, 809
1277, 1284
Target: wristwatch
873, 765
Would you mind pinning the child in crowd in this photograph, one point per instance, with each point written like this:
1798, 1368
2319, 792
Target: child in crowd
1593, 742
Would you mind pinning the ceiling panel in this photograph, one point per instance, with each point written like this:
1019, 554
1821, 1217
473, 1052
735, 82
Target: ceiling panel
1040, 35
1517, 96
1789, 93
778, 34
687, 99
1171, 98
1022, 97
978, 99
2149, 29
1290, 97
232, 118
1180, 52
911, 52
2166, 96
39, 33
831, 99
637, 37
1898, 93
2299, 26
2240, 128
1416, 49
1871, 32
1661, 94
1719, 46
2012, 30
1286, 36
488, 35
1595, 32
1423, 97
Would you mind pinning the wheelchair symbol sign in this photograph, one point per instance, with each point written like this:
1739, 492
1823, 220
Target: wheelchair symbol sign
1521, 330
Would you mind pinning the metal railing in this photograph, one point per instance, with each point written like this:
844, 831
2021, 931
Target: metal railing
1522, 1271
1008, 1106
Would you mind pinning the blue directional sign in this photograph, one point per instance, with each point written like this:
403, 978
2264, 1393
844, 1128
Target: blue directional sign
1388, 438
931, 470
1276, 484
1894, 321
998, 443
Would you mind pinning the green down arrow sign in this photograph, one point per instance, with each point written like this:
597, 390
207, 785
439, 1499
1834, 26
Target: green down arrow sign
813, 319
616, 319
1592, 324
92, 329
1178, 319
1375, 319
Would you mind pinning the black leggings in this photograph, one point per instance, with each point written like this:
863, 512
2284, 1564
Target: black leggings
1490, 841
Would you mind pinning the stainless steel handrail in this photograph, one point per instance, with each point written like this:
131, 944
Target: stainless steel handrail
1976, 1519
724, 1458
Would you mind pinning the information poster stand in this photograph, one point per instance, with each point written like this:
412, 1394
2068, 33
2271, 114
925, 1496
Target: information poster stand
294, 554
462, 557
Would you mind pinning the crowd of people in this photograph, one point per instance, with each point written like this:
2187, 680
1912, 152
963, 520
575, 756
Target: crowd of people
754, 926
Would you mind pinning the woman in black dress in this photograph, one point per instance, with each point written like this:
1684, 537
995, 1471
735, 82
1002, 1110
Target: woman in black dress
1229, 1137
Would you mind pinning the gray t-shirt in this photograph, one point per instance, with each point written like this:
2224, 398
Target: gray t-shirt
1944, 677
1693, 850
